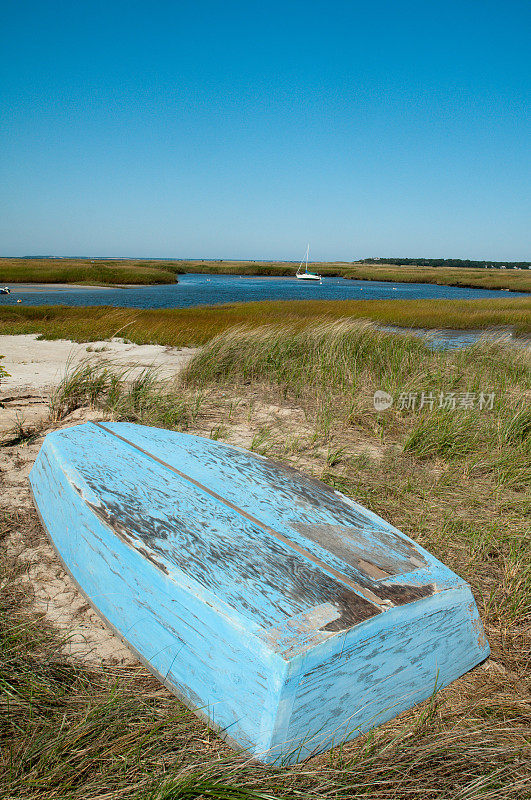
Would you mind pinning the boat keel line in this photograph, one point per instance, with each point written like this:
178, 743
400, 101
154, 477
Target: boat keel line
381, 604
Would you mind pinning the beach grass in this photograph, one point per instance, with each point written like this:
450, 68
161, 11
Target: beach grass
138, 398
182, 327
337, 366
455, 479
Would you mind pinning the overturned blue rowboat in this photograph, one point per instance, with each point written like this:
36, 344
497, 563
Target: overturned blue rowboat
288, 615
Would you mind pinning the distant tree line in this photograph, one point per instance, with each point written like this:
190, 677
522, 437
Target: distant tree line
446, 262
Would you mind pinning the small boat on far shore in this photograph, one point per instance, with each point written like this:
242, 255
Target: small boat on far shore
5, 290
305, 275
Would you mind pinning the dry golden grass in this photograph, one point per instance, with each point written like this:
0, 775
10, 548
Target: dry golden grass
195, 326
83, 271
516, 280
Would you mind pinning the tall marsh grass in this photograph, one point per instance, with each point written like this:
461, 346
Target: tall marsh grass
473, 463
335, 356
342, 354
82, 271
189, 327
515, 280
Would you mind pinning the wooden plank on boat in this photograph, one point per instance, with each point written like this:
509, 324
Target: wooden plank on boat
284, 612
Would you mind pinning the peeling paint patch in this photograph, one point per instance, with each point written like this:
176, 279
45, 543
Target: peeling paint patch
382, 550
372, 569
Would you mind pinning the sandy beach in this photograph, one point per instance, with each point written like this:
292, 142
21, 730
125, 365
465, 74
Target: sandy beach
36, 366
17, 288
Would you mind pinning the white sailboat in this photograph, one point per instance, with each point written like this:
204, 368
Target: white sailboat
305, 275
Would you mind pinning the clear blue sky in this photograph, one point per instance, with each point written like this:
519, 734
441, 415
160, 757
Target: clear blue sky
246, 129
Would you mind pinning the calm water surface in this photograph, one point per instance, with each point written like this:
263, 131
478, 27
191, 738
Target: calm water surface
195, 290
452, 339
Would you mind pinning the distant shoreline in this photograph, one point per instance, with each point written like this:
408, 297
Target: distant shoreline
101, 274
50, 287
34, 287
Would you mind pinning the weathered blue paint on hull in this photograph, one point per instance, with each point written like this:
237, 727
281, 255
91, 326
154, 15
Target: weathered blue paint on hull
288, 615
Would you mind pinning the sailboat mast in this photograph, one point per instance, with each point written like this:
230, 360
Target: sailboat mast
305, 274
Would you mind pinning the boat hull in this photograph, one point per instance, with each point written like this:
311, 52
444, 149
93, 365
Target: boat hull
222, 573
